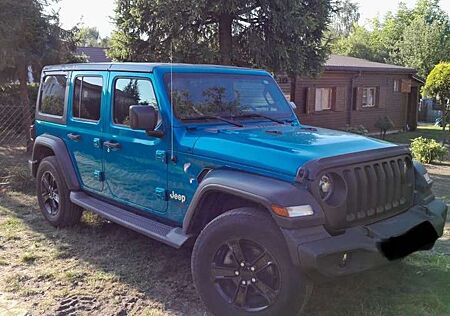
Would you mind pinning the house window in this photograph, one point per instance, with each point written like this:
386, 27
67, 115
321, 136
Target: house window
396, 85
87, 98
324, 97
369, 96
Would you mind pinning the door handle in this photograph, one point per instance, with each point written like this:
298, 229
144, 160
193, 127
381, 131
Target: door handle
111, 145
74, 137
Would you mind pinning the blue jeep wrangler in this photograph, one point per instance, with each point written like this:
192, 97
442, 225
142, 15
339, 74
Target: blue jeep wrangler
216, 155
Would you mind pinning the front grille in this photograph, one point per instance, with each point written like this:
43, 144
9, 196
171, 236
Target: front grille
378, 188
369, 191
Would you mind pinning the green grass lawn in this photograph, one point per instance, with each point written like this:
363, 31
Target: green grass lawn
98, 267
424, 130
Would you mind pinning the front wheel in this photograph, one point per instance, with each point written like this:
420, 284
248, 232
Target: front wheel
241, 266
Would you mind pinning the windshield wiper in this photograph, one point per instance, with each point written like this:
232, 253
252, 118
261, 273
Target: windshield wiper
261, 116
216, 117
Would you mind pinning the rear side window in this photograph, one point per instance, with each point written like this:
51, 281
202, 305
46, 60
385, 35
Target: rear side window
87, 98
53, 95
132, 91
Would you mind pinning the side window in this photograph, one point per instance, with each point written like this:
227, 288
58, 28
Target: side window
87, 98
324, 99
53, 94
396, 85
132, 91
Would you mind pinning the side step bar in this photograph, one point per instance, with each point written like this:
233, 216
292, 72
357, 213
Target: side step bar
172, 236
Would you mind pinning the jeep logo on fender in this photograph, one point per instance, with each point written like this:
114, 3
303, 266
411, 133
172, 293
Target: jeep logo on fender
178, 197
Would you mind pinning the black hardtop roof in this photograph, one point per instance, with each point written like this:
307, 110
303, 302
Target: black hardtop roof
135, 66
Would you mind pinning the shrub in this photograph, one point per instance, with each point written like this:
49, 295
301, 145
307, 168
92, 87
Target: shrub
10, 93
427, 150
360, 130
384, 123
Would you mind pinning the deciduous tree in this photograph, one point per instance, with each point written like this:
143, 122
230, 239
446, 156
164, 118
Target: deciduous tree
423, 45
89, 36
437, 86
29, 37
417, 38
345, 17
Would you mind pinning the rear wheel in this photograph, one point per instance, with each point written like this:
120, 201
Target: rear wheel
241, 266
53, 195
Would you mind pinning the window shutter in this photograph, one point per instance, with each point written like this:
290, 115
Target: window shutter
340, 100
358, 99
382, 93
406, 86
310, 100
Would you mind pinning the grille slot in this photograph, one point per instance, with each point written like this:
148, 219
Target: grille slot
374, 190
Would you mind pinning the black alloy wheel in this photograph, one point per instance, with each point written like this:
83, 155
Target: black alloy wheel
246, 275
54, 195
50, 194
241, 266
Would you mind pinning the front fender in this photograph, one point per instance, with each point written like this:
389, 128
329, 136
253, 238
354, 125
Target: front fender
262, 190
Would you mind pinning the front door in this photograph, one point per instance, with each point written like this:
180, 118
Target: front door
135, 164
85, 127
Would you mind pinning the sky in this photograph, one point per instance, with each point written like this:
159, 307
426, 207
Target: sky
98, 13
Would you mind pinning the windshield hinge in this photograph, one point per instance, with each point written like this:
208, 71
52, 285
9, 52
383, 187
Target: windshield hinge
161, 193
161, 155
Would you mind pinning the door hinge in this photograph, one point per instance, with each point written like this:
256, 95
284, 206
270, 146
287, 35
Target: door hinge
161, 156
99, 175
161, 193
97, 143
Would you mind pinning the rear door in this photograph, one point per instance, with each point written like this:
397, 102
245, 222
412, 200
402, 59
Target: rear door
135, 163
85, 127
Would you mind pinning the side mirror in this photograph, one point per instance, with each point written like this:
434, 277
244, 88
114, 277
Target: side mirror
144, 117
293, 105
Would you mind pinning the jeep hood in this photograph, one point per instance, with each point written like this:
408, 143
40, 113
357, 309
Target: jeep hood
279, 149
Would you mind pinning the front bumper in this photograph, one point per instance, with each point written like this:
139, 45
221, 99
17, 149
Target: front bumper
360, 248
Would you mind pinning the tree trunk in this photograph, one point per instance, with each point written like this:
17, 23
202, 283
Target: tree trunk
293, 86
225, 38
25, 103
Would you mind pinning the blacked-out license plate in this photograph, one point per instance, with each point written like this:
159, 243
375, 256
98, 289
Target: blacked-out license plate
419, 237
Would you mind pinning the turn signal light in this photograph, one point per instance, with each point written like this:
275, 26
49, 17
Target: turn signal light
293, 211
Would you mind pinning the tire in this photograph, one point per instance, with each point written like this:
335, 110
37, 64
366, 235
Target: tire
249, 233
53, 195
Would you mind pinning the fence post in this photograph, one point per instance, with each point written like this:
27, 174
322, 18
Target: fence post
26, 113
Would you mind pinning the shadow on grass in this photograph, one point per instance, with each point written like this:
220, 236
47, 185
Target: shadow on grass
417, 286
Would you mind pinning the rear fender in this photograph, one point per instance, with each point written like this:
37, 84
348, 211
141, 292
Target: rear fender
46, 145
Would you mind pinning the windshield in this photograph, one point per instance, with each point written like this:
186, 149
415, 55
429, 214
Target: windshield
197, 95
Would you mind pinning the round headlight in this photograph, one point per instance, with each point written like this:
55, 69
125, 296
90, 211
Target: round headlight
325, 186
332, 189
